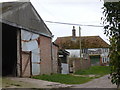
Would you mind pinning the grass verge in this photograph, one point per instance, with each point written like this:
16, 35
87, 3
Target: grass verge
94, 70
65, 79
76, 79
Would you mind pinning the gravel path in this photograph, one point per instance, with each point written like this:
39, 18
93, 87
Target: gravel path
102, 82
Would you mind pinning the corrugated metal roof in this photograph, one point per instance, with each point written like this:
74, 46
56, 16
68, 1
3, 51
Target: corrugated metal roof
24, 15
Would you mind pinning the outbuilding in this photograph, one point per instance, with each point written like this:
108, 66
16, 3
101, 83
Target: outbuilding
26, 41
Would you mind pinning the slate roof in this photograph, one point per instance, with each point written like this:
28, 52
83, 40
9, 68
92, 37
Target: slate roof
86, 42
23, 15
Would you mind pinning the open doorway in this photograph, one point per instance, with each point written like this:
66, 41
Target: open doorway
9, 50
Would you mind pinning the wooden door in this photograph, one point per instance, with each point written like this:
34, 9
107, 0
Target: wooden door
26, 64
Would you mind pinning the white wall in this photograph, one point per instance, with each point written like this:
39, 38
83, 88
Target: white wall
103, 52
74, 52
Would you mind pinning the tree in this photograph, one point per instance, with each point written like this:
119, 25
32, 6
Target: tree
111, 23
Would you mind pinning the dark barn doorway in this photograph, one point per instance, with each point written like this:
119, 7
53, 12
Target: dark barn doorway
9, 50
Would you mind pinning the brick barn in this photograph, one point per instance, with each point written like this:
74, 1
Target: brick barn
26, 41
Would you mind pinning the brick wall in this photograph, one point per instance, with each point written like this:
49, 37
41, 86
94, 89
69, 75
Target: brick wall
55, 58
45, 55
78, 65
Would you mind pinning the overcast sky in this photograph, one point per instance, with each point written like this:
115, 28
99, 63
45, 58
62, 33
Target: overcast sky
85, 12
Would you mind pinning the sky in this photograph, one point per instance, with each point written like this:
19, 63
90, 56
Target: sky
85, 12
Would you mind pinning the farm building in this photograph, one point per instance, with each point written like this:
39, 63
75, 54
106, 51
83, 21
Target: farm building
94, 49
26, 41
63, 61
55, 59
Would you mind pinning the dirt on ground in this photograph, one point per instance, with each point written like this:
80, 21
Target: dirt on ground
15, 82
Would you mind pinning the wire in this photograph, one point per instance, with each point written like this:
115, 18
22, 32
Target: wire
63, 22
73, 24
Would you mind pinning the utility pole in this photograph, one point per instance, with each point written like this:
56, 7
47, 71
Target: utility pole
80, 44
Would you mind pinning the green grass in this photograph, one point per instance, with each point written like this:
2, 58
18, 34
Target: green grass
72, 79
94, 70
65, 79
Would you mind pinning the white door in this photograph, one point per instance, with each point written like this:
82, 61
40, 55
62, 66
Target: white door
65, 68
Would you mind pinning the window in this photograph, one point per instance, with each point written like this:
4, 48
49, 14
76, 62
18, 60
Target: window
107, 50
105, 59
102, 59
82, 50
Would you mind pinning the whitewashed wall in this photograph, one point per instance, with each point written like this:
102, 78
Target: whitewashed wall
74, 52
105, 55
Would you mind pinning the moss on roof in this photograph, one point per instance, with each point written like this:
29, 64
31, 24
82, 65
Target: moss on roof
86, 42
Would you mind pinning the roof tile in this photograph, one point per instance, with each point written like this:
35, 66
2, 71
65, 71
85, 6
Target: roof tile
86, 42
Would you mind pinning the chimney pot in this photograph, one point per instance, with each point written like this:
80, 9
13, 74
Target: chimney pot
73, 32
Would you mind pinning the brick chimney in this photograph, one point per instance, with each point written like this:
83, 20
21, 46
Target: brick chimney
73, 33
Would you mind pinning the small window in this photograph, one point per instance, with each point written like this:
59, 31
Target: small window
103, 59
